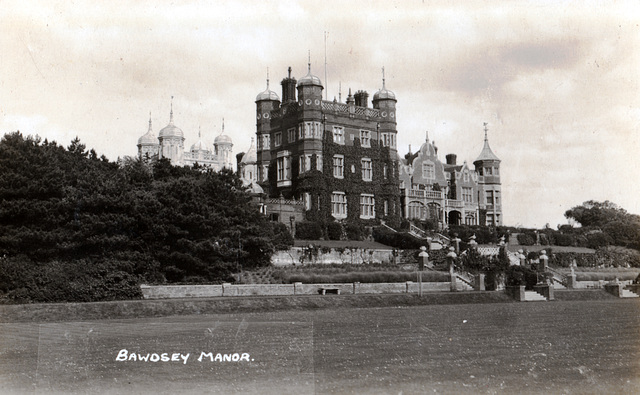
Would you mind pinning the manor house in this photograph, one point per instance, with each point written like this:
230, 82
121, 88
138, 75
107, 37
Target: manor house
336, 160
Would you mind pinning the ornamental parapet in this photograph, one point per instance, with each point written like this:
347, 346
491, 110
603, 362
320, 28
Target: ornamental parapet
419, 193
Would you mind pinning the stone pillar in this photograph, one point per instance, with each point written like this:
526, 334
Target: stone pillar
571, 280
479, 282
451, 259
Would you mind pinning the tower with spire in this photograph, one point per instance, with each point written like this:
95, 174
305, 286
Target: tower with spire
487, 165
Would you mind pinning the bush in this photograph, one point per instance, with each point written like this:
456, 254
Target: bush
519, 275
564, 239
334, 231
526, 239
401, 241
354, 231
308, 230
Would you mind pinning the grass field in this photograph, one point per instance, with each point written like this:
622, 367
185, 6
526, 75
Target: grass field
548, 347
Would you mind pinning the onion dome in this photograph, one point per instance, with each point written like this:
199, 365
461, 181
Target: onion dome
223, 138
309, 79
487, 153
251, 156
199, 146
149, 138
171, 130
384, 93
267, 94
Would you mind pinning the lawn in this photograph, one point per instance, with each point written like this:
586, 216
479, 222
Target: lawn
545, 347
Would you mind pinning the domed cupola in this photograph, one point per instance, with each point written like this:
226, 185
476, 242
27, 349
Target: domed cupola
384, 93
148, 144
267, 94
309, 79
199, 146
171, 130
251, 155
148, 138
223, 138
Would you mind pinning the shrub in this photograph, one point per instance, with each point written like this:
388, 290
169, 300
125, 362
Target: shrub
526, 239
401, 241
334, 231
519, 275
564, 239
308, 230
354, 231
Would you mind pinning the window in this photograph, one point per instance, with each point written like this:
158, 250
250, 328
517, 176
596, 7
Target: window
466, 176
386, 207
367, 206
384, 138
305, 163
319, 162
265, 141
487, 171
338, 205
301, 131
447, 175
338, 135
384, 171
467, 194
392, 140
259, 143
496, 171
302, 164
265, 172
277, 139
318, 130
365, 138
281, 163
338, 166
496, 197
291, 135
366, 169
428, 170
490, 197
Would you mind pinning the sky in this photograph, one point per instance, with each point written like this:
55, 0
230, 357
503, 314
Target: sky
557, 82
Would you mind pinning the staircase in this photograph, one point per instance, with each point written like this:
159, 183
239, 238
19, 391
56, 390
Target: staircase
533, 296
559, 279
466, 280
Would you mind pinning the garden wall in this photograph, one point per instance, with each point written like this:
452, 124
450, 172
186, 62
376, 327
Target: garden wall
325, 255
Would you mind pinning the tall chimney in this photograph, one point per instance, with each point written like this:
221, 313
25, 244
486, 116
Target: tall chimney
451, 159
288, 88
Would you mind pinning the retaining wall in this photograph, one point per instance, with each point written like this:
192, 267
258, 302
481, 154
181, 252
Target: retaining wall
229, 290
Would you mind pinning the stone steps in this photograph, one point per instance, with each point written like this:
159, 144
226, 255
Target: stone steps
629, 294
532, 296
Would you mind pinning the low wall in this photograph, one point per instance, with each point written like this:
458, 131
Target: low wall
320, 255
228, 290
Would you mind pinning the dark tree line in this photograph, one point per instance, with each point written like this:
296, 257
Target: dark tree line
607, 223
76, 227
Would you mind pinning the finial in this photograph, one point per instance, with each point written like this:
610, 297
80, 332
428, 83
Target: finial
409, 149
199, 132
171, 113
309, 64
383, 82
486, 129
427, 139
289, 70
340, 91
149, 120
222, 126
267, 78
